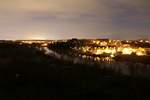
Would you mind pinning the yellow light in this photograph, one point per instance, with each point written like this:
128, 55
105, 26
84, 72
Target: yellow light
27, 42
127, 51
94, 42
119, 49
97, 42
107, 50
112, 55
140, 52
103, 43
85, 49
99, 51
44, 45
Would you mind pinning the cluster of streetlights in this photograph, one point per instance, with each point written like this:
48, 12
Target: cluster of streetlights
104, 48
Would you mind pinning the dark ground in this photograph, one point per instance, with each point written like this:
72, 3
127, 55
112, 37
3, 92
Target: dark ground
27, 74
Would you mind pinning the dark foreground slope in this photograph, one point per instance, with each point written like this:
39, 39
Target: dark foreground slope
27, 74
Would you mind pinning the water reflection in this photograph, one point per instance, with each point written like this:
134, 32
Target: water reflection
126, 68
97, 59
75, 56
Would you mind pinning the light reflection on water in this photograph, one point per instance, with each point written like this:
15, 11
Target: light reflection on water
97, 59
126, 68
79, 57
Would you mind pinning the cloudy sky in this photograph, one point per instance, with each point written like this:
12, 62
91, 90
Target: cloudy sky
61, 19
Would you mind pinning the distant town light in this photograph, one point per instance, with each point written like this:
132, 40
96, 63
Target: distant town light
127, 51
112, 55
44, 45
140, 52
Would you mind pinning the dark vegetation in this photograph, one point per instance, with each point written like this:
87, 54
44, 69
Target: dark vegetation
28, 74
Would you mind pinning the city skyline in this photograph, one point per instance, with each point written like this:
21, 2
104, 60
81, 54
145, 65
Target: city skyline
65, 19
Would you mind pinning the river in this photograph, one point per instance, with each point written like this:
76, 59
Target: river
125, 68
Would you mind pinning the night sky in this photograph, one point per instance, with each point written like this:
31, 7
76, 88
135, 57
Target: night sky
62, 19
